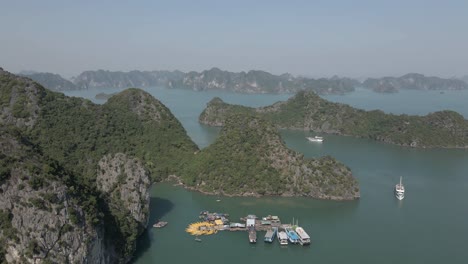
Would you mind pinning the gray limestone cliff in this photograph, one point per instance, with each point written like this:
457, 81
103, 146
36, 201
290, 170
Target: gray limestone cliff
126, 183
41, 216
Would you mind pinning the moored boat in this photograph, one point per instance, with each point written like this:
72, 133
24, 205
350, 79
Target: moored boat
282, 237
160, 224
292, 235
315, 139
400, 190
252, 235
270, 235
304, 238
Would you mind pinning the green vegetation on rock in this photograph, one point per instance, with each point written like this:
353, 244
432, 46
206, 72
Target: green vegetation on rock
307, 111
74, 175
250, 158
62, 140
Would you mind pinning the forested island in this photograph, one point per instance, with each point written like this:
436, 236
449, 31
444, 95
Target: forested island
75, 175
249, 158
307, 111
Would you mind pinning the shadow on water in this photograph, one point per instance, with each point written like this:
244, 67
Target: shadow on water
159, 207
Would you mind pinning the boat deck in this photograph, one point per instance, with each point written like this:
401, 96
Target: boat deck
270, 235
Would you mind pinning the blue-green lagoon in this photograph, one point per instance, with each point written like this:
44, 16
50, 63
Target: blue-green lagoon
428, 226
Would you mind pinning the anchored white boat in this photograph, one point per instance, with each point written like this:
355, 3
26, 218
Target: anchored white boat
282, 238
400, 190
315, 139
304, 238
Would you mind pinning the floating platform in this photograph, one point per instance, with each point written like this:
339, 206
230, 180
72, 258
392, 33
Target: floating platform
201, 228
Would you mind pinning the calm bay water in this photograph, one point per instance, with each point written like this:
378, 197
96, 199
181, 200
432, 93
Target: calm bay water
428, 226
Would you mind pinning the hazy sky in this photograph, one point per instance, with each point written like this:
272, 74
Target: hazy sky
314, 38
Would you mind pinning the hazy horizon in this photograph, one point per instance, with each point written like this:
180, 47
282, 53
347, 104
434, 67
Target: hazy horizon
347, 38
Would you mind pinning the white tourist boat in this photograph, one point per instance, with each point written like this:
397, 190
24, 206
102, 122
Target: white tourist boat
400, 190
282, 238
315, 139
304, 238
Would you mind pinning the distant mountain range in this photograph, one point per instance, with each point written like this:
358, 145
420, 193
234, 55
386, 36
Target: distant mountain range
52, 81
413, 81
242, 82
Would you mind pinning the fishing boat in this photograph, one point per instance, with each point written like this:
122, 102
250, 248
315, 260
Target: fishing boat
400, 190
160, 224
292, 235
282, 237
315, 139
304, 238
270, 235
198, 239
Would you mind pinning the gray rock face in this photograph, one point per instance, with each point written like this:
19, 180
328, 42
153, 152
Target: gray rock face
19, 103
127, 183
45, 221
46, 227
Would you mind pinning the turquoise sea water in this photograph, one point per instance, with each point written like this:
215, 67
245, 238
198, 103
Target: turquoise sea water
428, 226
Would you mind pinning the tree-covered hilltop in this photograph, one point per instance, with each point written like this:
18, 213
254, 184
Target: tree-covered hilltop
131, 122
307, 111
104, 154
250, 158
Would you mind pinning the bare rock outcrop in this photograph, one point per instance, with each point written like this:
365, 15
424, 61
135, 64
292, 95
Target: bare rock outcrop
126, 182
19, 101
41, 217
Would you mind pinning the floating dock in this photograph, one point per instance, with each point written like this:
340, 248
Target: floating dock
201, 228
285, 233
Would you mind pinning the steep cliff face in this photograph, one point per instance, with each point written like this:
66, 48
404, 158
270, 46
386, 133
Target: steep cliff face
42, 216
249, 158
307, 111
125, 183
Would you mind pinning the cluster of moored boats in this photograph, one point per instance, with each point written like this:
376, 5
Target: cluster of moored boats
288, 234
